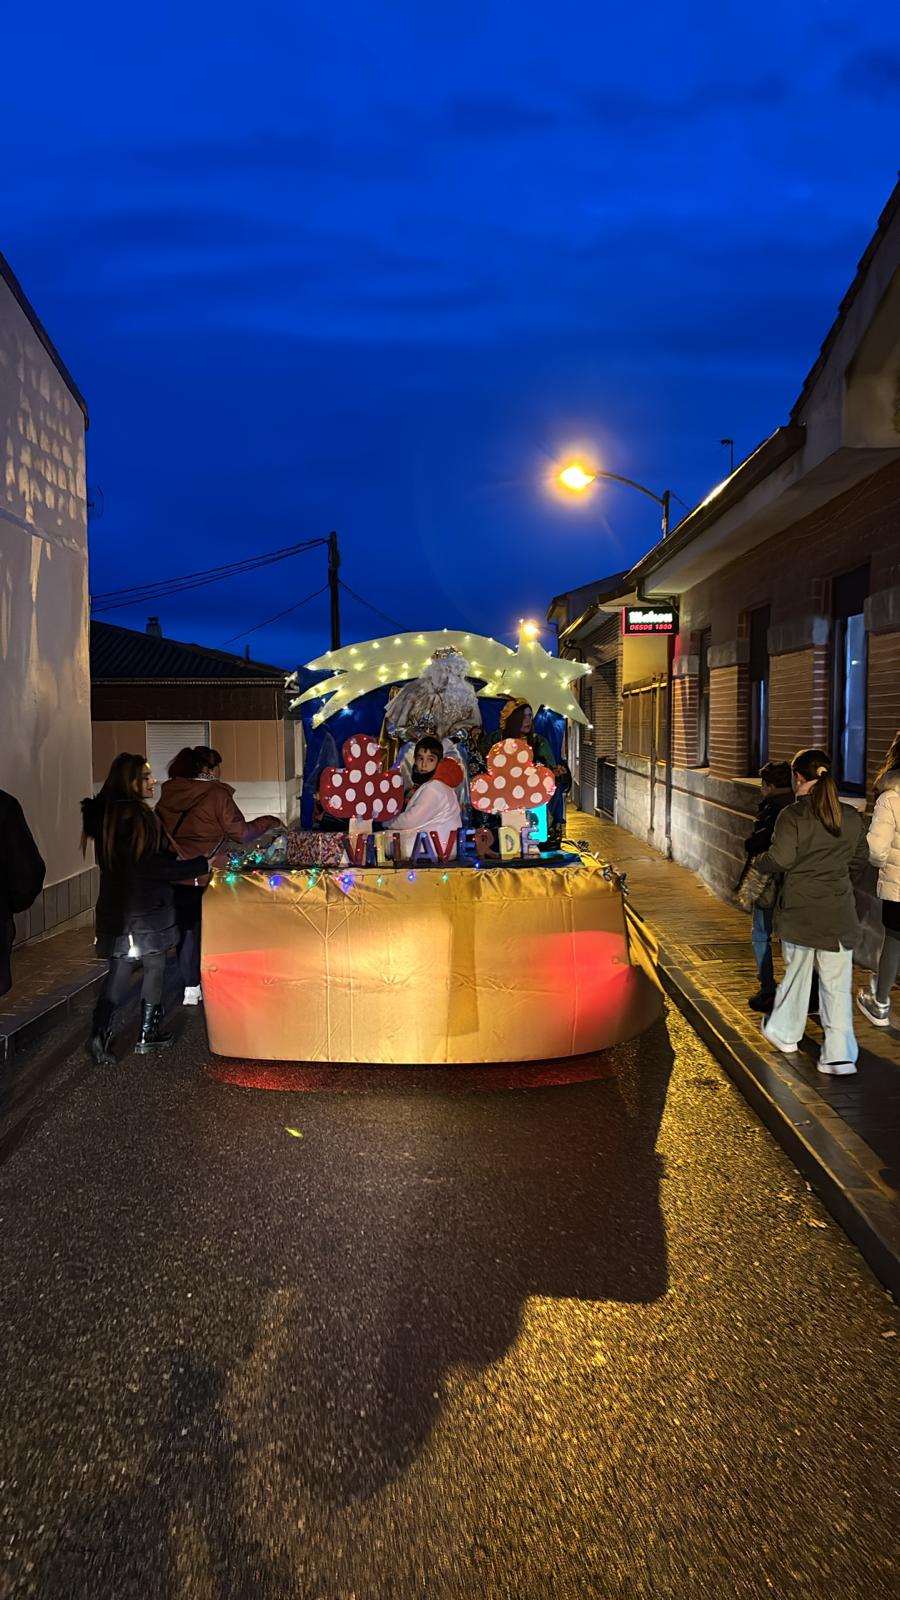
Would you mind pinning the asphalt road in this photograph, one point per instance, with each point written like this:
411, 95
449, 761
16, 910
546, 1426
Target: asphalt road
587, 1339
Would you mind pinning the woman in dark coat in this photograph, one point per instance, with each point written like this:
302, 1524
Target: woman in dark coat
818, 845
135, 908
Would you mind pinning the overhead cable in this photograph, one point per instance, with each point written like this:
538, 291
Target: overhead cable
278, 615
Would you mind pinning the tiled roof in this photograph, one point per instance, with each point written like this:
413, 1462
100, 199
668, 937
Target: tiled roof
125, 653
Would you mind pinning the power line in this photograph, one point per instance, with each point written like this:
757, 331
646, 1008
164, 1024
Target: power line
286, 612
383, 615
204, 572
118, 599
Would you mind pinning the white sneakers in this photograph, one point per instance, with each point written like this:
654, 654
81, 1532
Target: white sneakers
192, 996
833, 1069
786, 1049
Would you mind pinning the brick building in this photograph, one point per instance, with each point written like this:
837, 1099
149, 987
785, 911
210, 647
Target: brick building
787, 582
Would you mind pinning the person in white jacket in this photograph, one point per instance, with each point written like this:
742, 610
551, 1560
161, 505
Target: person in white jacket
884, 852
431, 806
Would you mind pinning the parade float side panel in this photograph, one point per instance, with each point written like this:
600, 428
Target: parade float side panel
422, 967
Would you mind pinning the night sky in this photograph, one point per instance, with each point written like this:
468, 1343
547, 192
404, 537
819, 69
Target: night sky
376, 267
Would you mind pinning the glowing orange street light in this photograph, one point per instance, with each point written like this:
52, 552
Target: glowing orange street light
577, 478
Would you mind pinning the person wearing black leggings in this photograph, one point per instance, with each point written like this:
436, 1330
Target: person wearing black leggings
136, 922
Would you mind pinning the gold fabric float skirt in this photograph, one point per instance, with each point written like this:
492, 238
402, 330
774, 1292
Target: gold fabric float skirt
483, 964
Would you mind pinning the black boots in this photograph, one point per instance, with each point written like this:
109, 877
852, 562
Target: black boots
151, 1037
762, 1001
100, 1042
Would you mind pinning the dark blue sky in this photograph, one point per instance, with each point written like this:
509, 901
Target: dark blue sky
375, 267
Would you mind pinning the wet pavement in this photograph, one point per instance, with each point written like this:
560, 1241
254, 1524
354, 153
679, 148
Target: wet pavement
548, 1339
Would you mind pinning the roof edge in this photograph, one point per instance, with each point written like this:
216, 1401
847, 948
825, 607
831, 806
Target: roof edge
19, 295
881, 227
262, 667
765, 459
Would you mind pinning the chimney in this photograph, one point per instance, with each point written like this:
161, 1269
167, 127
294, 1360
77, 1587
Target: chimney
153, 627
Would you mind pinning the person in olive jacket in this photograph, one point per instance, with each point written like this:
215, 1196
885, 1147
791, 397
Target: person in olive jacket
21, 877
818, 846
135, 908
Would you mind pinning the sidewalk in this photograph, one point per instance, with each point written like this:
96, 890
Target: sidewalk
47, 977
843, 1133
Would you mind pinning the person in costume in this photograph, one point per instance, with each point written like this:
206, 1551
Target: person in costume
431, 805
517, 722
439, 701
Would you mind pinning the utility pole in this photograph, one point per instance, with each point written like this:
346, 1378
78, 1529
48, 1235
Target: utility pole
334, 566
730, 443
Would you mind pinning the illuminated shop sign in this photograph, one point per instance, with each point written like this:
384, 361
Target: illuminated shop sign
649, 619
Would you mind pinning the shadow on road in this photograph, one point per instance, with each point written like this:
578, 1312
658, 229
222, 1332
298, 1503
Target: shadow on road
416, 1255
181, 1533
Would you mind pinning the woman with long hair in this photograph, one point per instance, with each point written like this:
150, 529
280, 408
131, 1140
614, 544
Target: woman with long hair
135, 907
817, 845
199, 813
884, 852
517, 722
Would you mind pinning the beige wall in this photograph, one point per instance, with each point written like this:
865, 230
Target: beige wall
109, 739
45, 741
643, 656
250, 751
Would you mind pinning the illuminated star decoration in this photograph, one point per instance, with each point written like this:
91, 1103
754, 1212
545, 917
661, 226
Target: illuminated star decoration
527, 673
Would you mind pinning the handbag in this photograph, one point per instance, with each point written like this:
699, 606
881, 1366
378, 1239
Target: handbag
757, 889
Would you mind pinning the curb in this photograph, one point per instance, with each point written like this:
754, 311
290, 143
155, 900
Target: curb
839, 1165
24, 1027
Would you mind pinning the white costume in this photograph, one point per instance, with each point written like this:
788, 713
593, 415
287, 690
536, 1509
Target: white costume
432, 807
441, 701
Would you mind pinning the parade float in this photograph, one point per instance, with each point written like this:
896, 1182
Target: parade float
432, 917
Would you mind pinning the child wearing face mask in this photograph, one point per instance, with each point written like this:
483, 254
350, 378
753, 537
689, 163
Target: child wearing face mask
431, 803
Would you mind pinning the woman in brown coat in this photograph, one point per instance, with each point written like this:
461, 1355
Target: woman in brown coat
198, 813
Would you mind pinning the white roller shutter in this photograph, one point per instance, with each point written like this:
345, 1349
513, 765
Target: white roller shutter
165, 739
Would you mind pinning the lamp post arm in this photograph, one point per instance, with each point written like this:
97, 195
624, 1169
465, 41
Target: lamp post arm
614, 478
661, 499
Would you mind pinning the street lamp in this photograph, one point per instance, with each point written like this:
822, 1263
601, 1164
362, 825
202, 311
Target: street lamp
577, 478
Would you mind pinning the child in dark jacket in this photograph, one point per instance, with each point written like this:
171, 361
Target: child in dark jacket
775, 785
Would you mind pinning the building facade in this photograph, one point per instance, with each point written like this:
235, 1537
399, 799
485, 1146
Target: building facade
45, 749
786, 580
152, 696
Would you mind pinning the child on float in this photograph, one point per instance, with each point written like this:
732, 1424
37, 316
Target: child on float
431, 803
